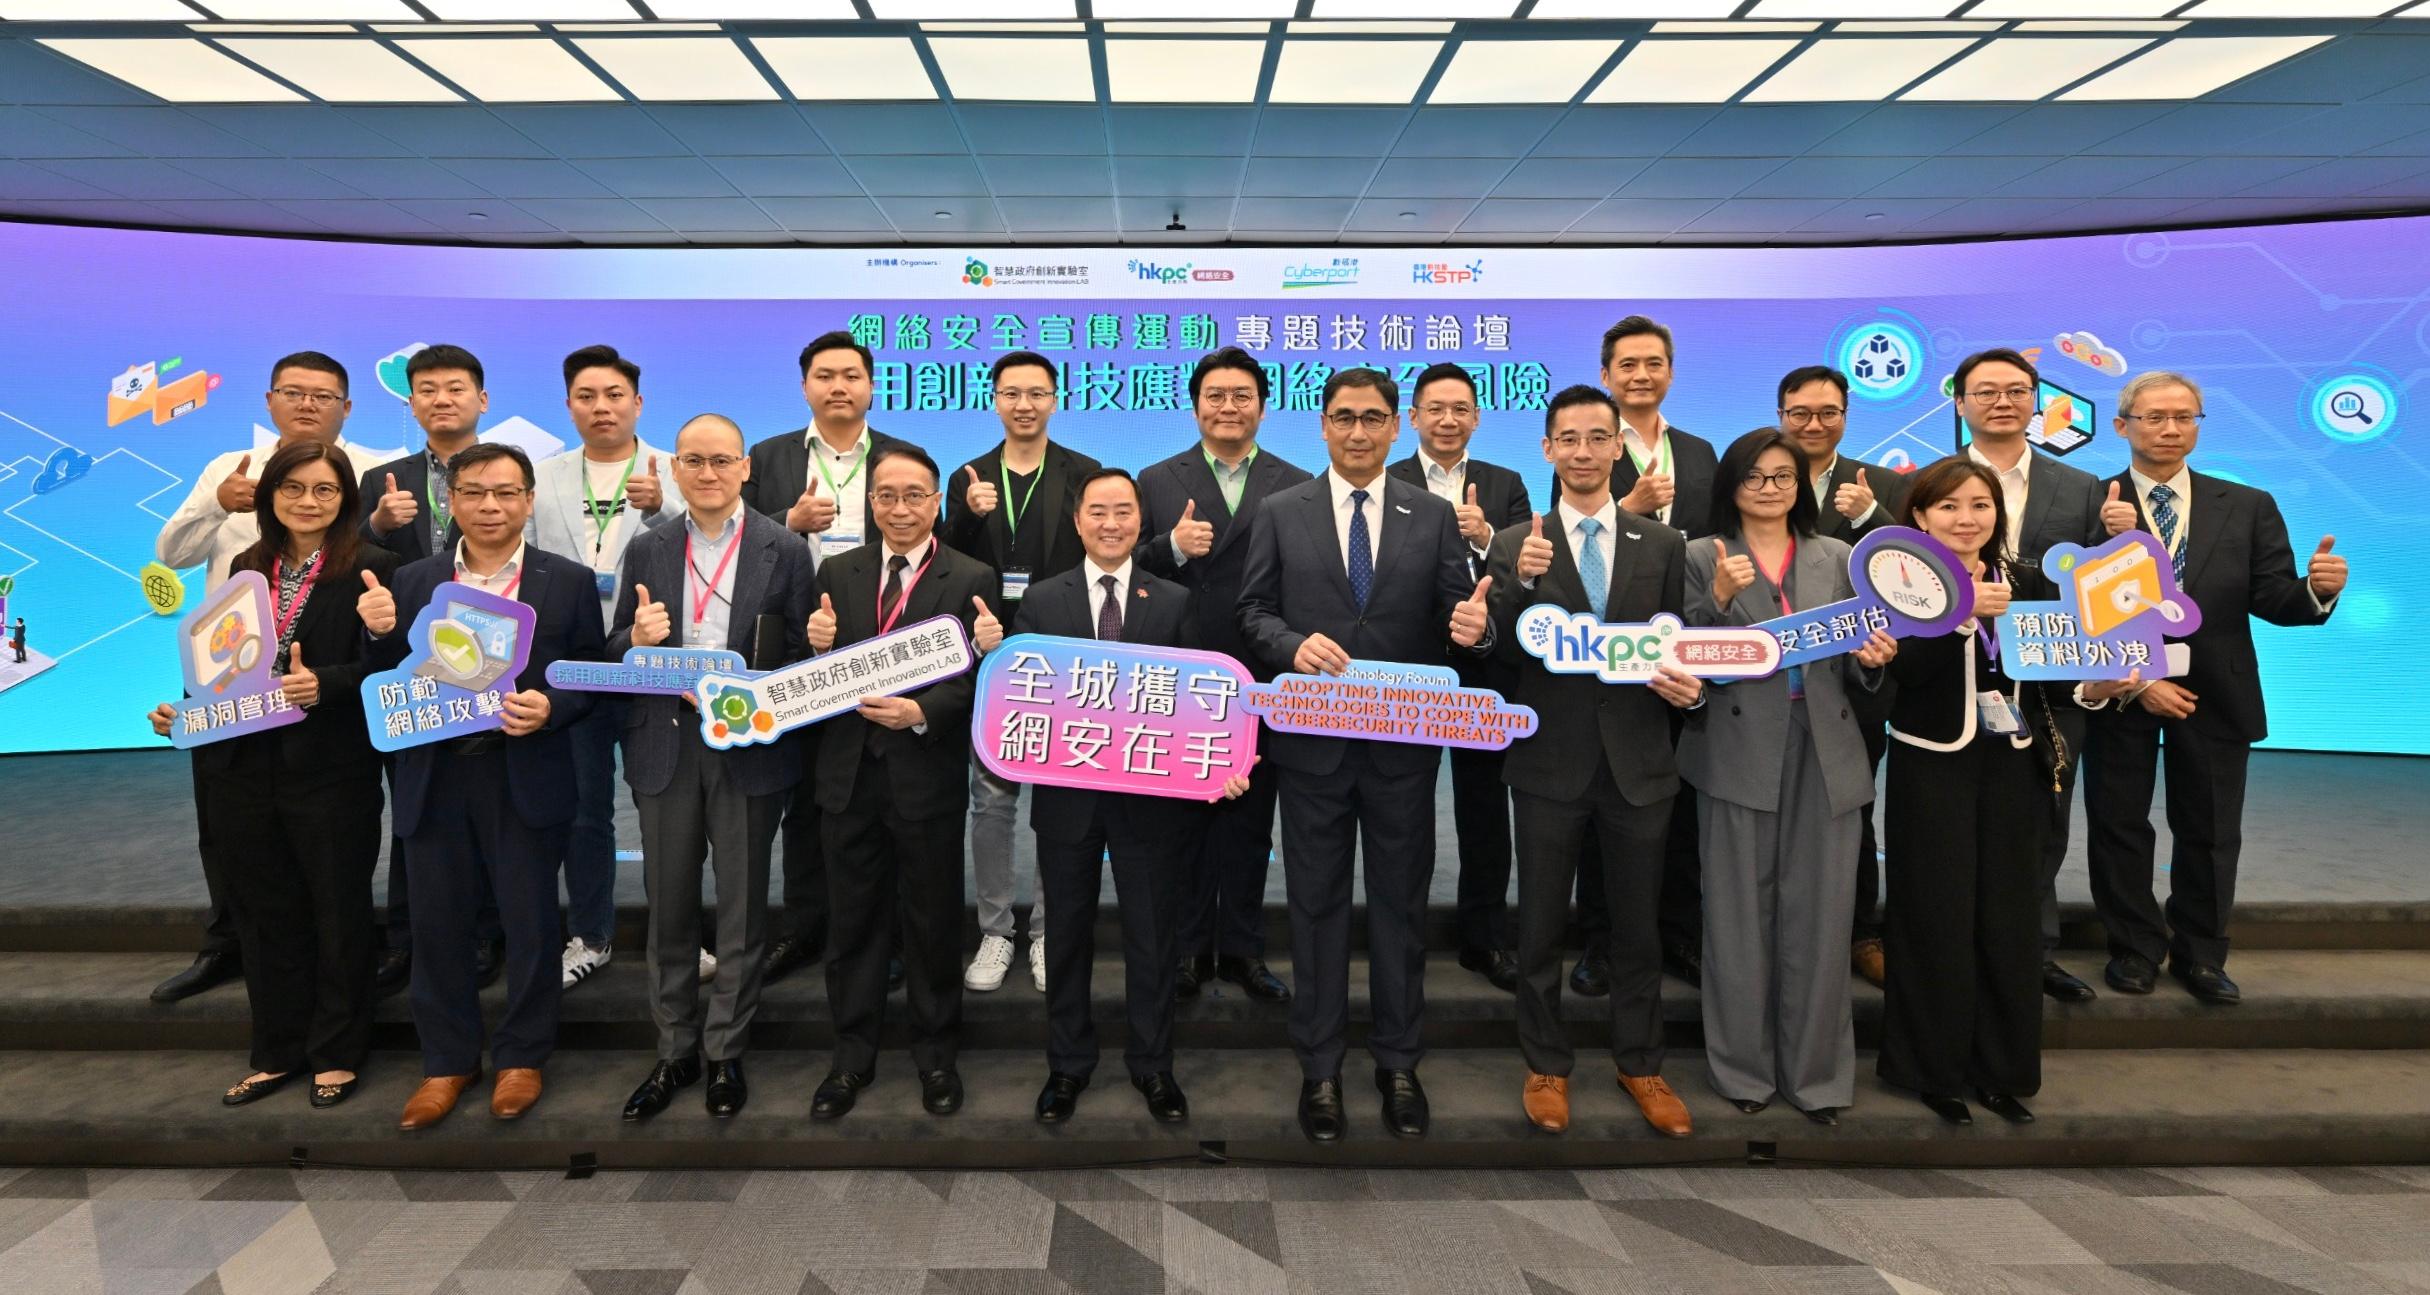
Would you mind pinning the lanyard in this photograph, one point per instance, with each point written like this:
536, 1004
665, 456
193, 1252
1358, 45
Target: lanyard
1989, 629
708, 590
819, 459
282, 619
599, 541
435, 476
886, 622
1661, 455
1012, 514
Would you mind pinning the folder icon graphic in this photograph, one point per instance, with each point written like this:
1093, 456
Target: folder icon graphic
182, 396
2115, 591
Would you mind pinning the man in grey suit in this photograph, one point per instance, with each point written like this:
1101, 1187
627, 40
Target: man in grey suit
739, 582
2048, 503
1355, 565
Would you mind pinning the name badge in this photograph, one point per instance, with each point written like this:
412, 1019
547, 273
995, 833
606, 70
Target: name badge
1996, 713
1016, 584
832, 542
606, 581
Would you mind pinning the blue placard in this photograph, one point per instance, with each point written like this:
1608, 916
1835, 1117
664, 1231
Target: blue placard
2118, 606
664, 670
463, 655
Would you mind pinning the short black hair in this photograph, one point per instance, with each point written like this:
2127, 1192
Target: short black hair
601, 357
1574, 395
1021, 360
1443, 371
1105, 474
315, 362
480, 452
1799, 377
1230, 357
1633, 326
836, 339
1375, 380
1996, 355
1739, 459
905, 450
444, 356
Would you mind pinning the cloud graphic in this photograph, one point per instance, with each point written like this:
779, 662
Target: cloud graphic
2090, 351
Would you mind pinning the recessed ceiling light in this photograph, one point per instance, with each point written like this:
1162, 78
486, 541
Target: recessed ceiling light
179, 70
1633, 9
2022, 69
95, 11
699, 69
530, 10
2074, 8
2159, 26
1730, 28
2194, 65
847, 67
1190, 28
1183, 71
1688, 71
1412, 8
1520, 71
1853, 70
512, 69
1184, 9
1053, 69
2290, 8
345, 71
1853, 8
1352, 71
273, 28
981, 10
757, 10
452, 29
314, 11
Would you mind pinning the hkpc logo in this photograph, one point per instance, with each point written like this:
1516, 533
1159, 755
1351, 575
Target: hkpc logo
1150, 272
1443, 273
1577, 643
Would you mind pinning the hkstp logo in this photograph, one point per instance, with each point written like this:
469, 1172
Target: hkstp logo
1442, 272
1577, 643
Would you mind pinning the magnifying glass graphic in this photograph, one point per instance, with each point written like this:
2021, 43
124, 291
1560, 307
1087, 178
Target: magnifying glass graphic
2349, 404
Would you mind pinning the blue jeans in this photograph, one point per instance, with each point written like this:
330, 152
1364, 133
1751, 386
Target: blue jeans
590, 850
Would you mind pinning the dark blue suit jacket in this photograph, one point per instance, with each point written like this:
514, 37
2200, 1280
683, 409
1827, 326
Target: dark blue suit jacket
411, 543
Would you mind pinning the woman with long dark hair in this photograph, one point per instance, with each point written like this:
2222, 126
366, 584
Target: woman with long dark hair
295, 811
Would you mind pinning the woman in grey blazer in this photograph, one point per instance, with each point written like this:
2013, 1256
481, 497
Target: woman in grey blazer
1778, 765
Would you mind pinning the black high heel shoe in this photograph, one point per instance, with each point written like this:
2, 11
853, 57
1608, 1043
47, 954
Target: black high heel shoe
253, 1090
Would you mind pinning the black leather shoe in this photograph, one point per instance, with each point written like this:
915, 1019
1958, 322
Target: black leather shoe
1253, 978
2006, 1107
788, 956
659, 1089
248, 1091
1950, 1109
2131, 973
1822, 1115
2062, 985
325, 1096
1592, 977
1320, 1109
941, 1091
209, 970
1164, 1099
1683, 960
836, 1094
1194, 973
1059, 1098
727, 1089
894, 974
489, 960
2209, 984
395, 968
1405, 1109
1498, 966
1750, 1108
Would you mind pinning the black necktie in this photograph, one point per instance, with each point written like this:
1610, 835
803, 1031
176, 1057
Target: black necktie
892, 598
1109, 616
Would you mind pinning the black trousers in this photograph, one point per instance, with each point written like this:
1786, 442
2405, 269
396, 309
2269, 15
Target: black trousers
1223, 895
2206, 781
2072, 730
1963, 1003
1628, 865
473, 850
1866, 923
1325, 821
884, 873
219, 920
1145, 853
805, 866
1480, 813
298, 859
400, 888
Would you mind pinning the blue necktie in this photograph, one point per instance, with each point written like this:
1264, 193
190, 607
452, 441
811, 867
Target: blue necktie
1362, 557
2164, 516
1591, 571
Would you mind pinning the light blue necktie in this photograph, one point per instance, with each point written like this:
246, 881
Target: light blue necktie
1591, 571
1362, 555
2164, 516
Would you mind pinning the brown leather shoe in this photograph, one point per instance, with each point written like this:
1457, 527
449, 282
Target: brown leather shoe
432, 1101
1546, 1100
1865, 957
517, 1088
1662, 1107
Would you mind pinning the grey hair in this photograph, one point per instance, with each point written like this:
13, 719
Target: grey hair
2152, 380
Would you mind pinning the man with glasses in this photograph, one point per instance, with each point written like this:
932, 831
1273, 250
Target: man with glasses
1010, 508
1484, 498
728, 578
2047, 502
2228, 546
308, 401
1198, 506
1851, 498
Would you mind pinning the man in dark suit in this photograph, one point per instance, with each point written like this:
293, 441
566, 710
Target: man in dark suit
1146, 837
892, 783
2229, 548
485, 817
739, 582
1199, 504
1600, 758
1011, 508
815, 480
1484, 497
1354, 565
1851, 499
2047, 503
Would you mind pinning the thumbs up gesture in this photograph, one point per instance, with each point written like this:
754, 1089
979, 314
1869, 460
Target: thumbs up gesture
1469, 618
396, 510
822, 624
1535, 552
2328, 571
985, 630
236, 489
376, 607
1473, 527
2117, 515
644, 491
1193, 538
811, 513
1730, 574
1853, 499
979, 495
303, 688
650, 624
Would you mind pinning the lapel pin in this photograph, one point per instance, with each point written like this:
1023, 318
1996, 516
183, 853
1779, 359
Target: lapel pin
1635, 536
1398, 509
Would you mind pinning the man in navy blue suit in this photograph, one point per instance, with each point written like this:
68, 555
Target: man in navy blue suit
484, 818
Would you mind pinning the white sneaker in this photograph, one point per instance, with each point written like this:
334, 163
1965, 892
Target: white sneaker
1037, 963
581, 960
708, 966
987, 967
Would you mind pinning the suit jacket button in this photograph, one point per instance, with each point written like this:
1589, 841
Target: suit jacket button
1734, 710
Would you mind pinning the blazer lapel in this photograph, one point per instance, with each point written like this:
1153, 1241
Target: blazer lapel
2200, 540
2037, 504
926, 599
1624, 561
1399, 532
1134, 608
1813, 577
1571, 590
752, 569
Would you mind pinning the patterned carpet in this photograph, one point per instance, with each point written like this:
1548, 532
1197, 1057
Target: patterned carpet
1743, 1231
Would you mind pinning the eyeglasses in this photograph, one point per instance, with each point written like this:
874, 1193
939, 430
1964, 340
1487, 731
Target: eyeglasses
2158, 421
888, 501
720, 464
1568, 441
1241, 396
1028, 395
1995, 395
468, 496
1437, 409
1342, 420
1758, 482
321, 491
299, 396
1828, 416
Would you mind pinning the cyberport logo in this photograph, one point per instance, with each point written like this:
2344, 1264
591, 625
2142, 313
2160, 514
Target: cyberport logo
1576, 643
1445, 274
735, 712
1333, 272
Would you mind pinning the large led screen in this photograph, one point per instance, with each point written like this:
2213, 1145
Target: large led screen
131, 359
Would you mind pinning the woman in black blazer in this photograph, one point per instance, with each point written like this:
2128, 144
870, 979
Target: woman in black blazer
1973, 758
295, 811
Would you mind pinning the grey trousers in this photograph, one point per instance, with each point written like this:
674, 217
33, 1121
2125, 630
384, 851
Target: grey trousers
700, 818
992, 802
1777, 894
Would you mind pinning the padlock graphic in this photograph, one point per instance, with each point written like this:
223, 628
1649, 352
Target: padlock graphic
2112, 592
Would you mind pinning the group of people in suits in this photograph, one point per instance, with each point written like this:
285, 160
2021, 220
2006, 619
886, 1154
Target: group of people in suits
1724, 832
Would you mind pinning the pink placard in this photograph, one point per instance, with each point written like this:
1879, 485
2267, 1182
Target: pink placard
1106, 716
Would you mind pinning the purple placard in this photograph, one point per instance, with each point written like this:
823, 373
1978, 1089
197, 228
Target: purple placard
1907, 583
463, 655
2118, 606
738, 711
1390, 701
1108, 716
226, 645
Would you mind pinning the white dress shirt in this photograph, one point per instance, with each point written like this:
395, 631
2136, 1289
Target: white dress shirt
2182, 504
497, 582
2013, 484
1823, 490
851, 496
1340, 488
